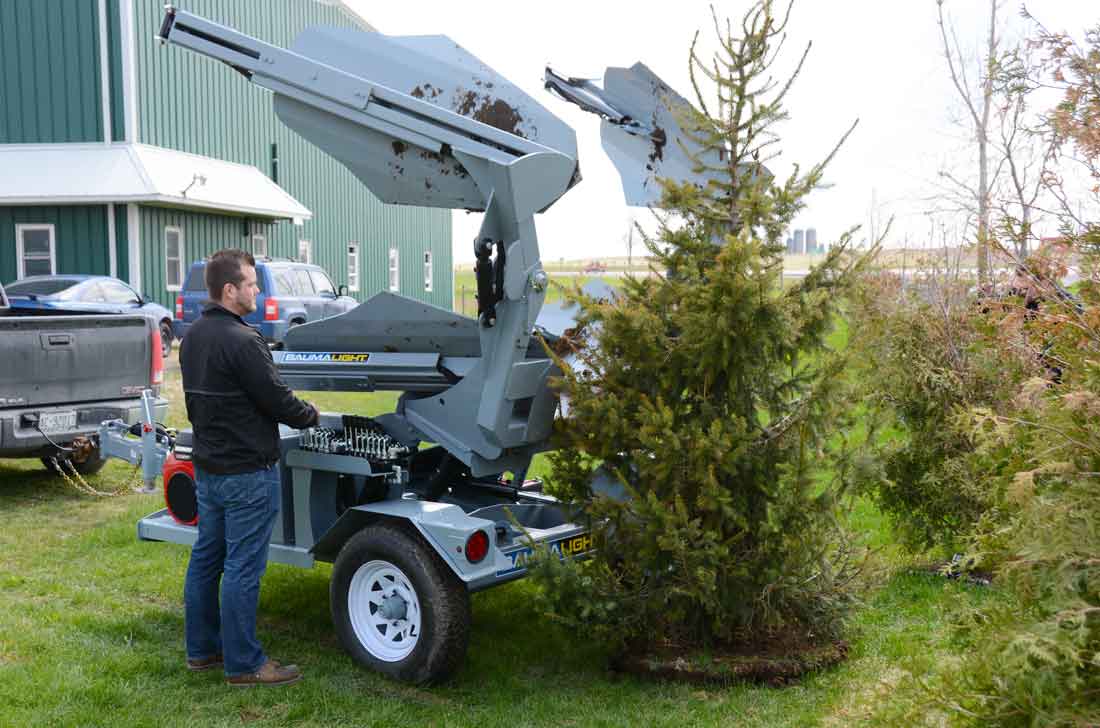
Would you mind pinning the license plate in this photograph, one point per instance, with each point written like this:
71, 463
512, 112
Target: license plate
57, 421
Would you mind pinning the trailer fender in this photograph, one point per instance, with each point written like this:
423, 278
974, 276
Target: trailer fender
442, 526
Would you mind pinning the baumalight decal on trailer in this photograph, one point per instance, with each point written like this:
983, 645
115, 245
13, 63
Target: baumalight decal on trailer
566, 548
345, 357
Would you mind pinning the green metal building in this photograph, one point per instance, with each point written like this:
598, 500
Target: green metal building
121, 157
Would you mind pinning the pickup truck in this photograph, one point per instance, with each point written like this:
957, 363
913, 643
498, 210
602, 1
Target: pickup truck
62, 375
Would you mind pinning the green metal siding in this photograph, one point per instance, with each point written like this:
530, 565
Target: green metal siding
203, 234
49, 72
411, 267
80, 237
197, 105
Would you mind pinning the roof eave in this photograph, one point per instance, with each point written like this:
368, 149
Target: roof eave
161, 199
302, 214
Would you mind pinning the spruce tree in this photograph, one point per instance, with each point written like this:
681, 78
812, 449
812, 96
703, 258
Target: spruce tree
710, 393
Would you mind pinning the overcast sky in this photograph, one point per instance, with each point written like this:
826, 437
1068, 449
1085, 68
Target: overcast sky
880, 61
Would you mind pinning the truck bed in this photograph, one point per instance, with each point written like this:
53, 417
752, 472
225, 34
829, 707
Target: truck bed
68, 359
69, 373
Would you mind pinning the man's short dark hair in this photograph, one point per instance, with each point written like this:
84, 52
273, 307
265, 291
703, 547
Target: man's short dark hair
224, 267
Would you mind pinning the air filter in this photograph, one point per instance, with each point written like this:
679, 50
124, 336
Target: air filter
179, 490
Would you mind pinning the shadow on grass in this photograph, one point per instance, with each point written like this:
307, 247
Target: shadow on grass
24, 482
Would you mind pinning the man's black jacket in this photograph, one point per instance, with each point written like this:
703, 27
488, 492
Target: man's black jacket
235, 397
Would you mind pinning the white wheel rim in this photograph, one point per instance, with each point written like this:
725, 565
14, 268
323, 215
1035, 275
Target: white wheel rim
389, 640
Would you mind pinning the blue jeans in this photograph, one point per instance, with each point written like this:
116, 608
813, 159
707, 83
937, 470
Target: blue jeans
236, 516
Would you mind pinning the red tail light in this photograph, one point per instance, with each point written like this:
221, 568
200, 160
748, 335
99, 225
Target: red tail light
477, 547
271, 310
179, 308
156, 366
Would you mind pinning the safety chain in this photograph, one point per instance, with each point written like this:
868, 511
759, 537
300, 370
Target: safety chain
81, 485
131, 486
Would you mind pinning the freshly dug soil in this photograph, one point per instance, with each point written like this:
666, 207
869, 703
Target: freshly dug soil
775, 662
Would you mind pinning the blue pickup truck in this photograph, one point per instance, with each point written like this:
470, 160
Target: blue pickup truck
291, 293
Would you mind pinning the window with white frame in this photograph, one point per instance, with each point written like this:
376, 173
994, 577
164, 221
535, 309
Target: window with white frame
36, 250
173, 258
395, 271
259, 246
353, 267
305, 251
428, 270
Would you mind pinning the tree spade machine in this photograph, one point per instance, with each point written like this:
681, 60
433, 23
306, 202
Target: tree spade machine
416, 508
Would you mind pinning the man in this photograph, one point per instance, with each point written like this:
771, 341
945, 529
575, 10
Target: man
235, 400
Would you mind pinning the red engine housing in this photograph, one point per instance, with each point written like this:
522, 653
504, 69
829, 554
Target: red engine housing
179, 490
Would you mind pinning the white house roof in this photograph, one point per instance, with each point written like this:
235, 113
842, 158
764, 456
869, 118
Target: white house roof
59, 174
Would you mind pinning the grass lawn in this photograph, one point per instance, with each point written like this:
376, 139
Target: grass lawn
91, 632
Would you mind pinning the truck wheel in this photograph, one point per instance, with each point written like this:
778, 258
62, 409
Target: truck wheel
91, 465
397, 607
165, 339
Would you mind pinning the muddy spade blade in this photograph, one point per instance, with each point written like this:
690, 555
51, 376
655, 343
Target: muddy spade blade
430, 69
640, 129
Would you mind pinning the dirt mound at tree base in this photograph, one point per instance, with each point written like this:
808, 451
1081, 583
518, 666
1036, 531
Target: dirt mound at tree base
773, 663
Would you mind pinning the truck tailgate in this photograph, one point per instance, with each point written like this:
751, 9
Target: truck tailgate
68, 359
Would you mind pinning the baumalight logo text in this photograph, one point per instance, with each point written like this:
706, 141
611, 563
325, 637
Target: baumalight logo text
326, 356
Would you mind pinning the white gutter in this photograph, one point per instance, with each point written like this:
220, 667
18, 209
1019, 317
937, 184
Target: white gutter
112, 240
128, 45
105, 94
104, 72
160, 200
133, 236
128, 42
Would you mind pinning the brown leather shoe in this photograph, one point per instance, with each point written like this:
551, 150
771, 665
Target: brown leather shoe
270, 674
205, 663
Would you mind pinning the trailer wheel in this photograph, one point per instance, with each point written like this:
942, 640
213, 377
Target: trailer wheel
397, 607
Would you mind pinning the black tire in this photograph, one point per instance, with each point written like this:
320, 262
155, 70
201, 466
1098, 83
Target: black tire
91, 465
165, 339
444, 604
